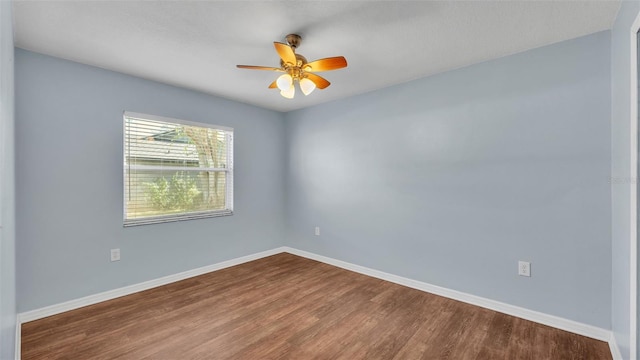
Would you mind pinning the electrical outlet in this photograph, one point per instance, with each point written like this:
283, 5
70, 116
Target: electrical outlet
317, 230
115, 254
524, 268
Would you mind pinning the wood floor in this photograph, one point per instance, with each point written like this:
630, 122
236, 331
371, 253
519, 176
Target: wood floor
288, 307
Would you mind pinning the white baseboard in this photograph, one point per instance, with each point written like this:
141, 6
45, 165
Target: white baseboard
131, 289
615, 350
535, 316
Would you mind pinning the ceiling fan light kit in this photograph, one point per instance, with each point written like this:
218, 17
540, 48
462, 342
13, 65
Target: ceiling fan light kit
296, 68
307, 86
284, 82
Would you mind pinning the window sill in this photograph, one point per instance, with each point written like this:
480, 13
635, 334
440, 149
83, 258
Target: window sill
173, 218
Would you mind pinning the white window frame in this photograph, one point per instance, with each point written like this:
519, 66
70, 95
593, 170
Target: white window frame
180, 216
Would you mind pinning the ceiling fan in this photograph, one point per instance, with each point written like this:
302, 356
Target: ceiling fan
296, 69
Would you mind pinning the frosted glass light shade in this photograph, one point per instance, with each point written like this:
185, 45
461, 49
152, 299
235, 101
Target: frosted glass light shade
289, 93
307, 86
284, 82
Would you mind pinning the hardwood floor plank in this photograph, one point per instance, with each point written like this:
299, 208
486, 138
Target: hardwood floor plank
288, 307
479, 333
422, 343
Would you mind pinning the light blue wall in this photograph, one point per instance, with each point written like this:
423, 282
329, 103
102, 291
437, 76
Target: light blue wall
7, 189
449, 180
69, 182
453, 178
620, 173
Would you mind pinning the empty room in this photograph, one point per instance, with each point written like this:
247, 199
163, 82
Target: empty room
319, 179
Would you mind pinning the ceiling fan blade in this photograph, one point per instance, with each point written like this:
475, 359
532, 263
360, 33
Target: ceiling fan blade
254, 67
286, 53
273, 85
320, 82
332, 63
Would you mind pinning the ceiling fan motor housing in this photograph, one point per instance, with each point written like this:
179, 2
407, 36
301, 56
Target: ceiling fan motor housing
295, 70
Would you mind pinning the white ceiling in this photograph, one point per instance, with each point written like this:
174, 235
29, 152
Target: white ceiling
196, 44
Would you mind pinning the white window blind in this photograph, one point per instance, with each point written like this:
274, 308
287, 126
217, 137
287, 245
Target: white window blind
175, 170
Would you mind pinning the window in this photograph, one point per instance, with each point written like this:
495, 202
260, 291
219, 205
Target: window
175, 170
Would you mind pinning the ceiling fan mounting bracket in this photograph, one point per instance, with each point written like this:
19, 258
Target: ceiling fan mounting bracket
293, 40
